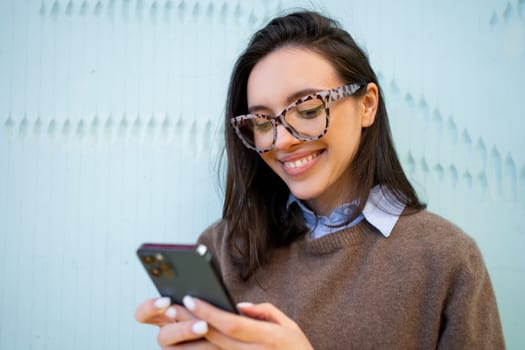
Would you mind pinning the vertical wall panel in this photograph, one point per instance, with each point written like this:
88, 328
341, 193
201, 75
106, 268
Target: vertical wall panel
110, 130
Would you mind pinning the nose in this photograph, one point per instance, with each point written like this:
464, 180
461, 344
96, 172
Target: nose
284, 138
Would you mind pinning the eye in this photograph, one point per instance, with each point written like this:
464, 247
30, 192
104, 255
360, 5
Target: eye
311, 113
310, 109
261, 125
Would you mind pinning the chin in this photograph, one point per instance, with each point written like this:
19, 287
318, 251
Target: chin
304, 194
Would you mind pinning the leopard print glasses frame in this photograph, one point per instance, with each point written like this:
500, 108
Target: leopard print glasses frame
244, 124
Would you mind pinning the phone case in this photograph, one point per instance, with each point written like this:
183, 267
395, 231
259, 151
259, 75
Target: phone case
180, 270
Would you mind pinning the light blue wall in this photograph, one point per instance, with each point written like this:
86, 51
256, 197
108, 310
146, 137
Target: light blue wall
109, 136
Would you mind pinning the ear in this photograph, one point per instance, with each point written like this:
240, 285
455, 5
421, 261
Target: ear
368, 104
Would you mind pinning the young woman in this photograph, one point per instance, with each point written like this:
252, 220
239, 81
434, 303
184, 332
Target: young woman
323, 238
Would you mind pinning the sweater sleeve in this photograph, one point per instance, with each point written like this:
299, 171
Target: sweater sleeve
470, 316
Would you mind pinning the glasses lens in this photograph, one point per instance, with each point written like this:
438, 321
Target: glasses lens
257, 131
308, 118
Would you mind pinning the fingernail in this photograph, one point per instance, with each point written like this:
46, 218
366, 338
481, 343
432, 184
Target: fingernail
200, 327
189, 302
244, 304
161, 303
171, 312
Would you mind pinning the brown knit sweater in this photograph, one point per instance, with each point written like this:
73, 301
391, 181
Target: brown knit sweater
424, 287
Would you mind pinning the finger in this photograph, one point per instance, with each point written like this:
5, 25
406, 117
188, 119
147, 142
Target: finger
266, 312
153, 311
179, 332
179, 313
193, 345
223, 341
239, 327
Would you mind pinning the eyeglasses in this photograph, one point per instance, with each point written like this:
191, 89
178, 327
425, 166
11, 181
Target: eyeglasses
307, 119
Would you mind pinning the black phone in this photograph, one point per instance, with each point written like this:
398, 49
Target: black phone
179, 270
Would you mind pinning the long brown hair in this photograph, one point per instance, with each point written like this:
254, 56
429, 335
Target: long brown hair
255, 197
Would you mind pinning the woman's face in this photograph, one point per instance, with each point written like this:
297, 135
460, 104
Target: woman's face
315, 171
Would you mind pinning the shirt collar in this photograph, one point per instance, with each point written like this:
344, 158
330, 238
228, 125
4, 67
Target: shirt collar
381, 210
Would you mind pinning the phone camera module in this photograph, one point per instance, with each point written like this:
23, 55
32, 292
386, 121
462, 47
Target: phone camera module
161, 269
155, 272
147, 259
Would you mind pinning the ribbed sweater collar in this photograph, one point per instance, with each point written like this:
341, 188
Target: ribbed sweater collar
349, 237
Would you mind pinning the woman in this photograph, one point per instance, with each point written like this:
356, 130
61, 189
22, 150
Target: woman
322, 235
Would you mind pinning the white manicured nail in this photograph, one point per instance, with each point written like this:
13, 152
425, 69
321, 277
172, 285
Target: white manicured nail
244, 304
171, 312
189, 302
161, 303
200, 327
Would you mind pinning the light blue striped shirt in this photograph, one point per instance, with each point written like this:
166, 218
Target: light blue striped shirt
381, 211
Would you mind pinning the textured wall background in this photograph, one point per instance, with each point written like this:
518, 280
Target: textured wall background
109, 136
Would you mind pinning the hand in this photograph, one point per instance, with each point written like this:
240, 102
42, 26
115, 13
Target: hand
177, 325
263, 326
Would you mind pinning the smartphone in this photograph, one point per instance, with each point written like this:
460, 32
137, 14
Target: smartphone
179, 270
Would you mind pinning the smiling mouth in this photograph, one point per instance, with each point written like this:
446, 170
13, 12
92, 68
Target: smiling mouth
301, 162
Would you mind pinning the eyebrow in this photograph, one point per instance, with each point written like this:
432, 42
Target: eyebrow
289, 100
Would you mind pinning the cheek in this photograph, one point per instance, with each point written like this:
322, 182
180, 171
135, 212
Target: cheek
345, 130
346, 115
343, 141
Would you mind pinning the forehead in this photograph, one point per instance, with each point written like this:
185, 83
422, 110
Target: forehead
286, 71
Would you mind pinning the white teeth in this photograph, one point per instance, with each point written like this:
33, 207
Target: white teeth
300, 162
